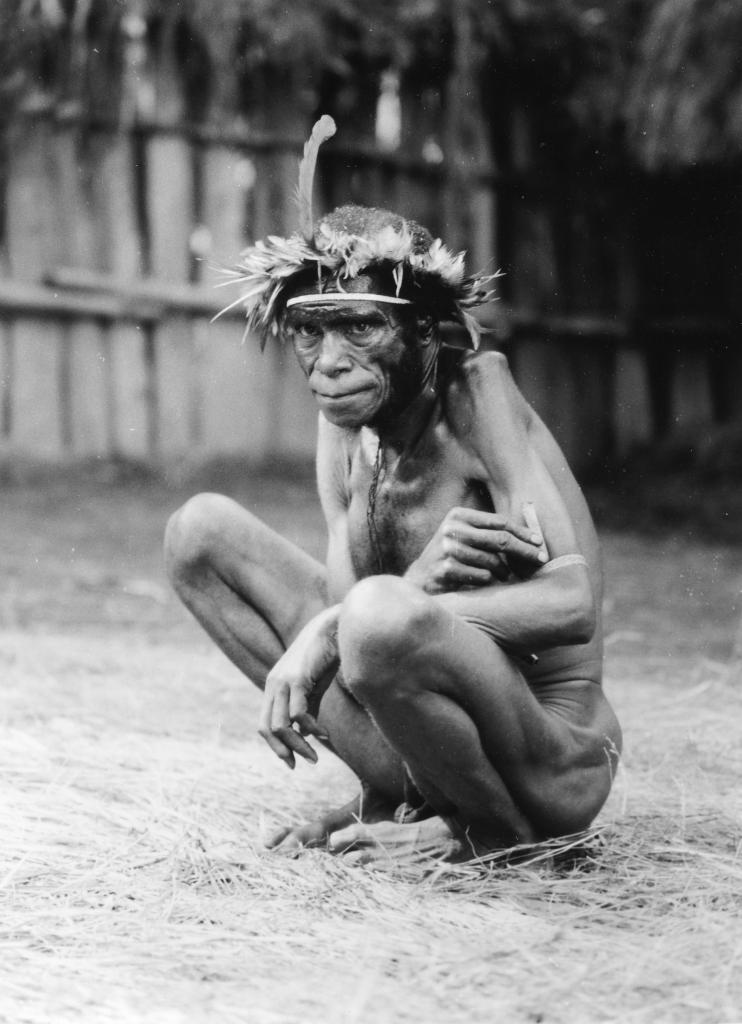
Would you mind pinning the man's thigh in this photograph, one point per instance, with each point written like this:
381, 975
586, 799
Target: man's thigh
550, 749
276, 578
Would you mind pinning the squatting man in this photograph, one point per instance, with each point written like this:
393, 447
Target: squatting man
450, 649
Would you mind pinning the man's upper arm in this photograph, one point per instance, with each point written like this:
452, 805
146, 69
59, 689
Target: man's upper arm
498, 430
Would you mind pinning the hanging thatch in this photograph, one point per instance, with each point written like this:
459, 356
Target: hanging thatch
684, 102
667, 72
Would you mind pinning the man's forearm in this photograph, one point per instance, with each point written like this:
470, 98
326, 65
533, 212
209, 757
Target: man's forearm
551, 610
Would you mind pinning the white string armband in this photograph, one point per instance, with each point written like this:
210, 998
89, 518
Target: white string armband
559, 563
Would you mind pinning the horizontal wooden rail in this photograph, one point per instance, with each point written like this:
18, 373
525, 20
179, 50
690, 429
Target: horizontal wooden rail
252, 141
79, 294
70, 293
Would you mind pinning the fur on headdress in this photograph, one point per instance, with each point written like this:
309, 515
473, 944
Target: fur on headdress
353, 240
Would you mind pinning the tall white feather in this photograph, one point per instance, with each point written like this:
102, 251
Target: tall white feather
323, 130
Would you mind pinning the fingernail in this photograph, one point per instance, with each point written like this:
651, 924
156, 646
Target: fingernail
543, 557
536, 538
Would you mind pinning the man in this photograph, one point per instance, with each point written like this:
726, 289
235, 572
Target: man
450, 649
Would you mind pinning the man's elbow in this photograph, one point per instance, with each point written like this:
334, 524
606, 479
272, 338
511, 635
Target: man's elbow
578, 598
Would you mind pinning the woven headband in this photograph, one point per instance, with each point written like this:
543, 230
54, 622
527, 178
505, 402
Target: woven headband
316, 299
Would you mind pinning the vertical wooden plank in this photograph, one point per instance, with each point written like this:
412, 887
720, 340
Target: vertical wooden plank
119, 247
225, 182
175, 389
294, 412
632, 415
544, 372
533, 280
6, 382
89, 430
224, 187
725, 371
81, 385
239, 422
34, 242
691, 390
170, 205
129, 398
170, 216
120, 250
76, 210
36, 408
32, 215
260, 221
528, 359
590, 366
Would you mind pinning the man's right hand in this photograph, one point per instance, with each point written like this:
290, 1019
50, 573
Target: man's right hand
472, 548
299, 678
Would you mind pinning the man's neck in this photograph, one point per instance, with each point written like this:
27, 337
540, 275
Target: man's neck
404, 430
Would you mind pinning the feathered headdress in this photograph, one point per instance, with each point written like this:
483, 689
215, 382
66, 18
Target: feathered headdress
350, 241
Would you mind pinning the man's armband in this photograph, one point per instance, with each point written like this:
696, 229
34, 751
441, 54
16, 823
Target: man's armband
559, 563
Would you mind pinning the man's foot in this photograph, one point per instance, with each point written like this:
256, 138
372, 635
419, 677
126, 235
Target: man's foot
368, 807
389, 841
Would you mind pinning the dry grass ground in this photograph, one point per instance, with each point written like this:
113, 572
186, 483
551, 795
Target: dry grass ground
133, 883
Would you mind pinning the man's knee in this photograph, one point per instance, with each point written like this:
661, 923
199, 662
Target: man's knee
193, 535
384, 625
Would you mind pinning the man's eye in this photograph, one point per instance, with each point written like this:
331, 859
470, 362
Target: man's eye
306, 331
360, 327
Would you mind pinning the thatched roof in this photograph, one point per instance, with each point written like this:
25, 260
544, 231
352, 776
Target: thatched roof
684, 100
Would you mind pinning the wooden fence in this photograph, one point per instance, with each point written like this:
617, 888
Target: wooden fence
107, 293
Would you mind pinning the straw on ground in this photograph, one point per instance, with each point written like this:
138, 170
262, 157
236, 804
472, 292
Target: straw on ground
133, 880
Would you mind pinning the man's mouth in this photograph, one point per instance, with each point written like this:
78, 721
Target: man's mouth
340, 396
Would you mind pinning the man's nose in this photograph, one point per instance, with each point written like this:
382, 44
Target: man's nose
333, 358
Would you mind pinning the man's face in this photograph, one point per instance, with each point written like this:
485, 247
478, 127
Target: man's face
360, 358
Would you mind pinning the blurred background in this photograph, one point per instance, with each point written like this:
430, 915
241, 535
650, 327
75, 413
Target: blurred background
589, 150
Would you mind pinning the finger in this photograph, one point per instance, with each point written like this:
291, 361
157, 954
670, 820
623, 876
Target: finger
472, 557
300, 714
296, 743
280, 711
450, 574
290, 843
474, 534
460, 518
308, 725
279, 749
272, 839
506, 543
266, 731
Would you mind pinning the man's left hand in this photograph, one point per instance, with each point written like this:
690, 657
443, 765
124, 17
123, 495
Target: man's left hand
294, 687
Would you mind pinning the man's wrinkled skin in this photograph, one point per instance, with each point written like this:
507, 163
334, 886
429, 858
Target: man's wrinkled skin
444, 651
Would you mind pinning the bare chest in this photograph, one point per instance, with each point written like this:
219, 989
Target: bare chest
397, 501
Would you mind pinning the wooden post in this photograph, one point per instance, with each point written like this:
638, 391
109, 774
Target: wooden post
277, 409
170, 208
81, 384
34, 240
121, 249
6, 385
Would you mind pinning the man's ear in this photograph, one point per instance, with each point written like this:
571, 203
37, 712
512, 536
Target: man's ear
427, 330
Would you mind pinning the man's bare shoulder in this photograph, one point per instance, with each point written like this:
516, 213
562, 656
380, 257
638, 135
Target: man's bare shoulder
479, 382
334, 451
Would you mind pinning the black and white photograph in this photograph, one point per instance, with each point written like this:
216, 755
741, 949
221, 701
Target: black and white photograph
371, 511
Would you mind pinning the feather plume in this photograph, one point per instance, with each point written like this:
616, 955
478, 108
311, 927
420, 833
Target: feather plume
323, 130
